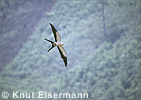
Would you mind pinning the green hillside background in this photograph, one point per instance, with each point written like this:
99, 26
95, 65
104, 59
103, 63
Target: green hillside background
102, 39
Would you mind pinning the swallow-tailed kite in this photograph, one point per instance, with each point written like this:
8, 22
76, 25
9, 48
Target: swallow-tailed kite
59, 44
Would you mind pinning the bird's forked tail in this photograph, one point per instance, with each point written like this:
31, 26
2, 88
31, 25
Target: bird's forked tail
51, 43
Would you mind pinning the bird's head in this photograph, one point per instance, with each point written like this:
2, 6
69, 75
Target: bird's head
62, 43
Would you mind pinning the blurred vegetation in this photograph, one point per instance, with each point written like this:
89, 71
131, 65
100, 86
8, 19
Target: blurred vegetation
105, 65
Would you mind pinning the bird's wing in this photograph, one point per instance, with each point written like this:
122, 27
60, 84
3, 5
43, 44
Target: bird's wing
56, 34
63, 54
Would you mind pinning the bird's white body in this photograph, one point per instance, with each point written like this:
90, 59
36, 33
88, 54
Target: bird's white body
58, 43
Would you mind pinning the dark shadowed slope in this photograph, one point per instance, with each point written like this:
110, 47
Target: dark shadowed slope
18, 19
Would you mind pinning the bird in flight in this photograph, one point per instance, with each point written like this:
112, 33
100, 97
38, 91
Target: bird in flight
58, 43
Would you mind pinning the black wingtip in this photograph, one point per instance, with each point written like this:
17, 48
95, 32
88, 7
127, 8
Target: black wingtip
50, 24
65, 61
65, 64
